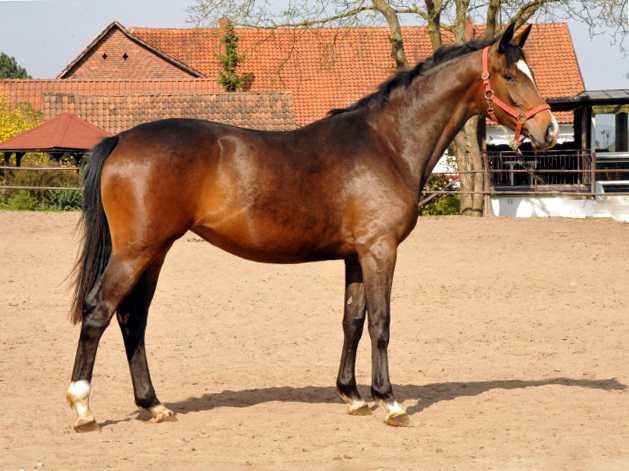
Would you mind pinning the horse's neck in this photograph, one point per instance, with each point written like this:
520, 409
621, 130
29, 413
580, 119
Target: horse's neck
432, 111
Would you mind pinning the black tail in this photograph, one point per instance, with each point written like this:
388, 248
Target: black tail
96, 248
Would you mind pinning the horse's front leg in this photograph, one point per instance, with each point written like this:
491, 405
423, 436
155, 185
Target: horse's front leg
378, 263
353, 323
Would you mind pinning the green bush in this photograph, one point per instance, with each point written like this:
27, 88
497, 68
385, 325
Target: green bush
442, 205
22, 201
53, 178
59, 200
63, 200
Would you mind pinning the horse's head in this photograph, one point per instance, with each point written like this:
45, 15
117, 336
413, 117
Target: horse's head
511, 96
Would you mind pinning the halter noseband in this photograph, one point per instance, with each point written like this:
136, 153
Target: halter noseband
490, 96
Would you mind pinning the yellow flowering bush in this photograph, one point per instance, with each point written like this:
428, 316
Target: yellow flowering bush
15, 121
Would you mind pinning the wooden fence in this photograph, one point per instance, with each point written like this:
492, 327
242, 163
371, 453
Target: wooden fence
562, 172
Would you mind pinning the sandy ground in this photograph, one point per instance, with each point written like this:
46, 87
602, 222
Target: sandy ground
509, 348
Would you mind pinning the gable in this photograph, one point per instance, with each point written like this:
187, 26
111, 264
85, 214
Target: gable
116, 54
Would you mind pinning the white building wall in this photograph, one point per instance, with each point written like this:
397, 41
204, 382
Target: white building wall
616, 207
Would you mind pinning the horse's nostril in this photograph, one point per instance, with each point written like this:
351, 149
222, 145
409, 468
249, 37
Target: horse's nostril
551, 132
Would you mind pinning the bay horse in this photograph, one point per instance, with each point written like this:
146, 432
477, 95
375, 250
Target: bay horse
344, 187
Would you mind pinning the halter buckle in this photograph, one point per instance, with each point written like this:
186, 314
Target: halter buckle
488, 98
484, 76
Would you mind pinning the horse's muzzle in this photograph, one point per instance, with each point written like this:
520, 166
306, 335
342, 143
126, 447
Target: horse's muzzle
543, 136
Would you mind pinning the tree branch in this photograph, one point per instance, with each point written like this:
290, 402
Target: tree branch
528, 10
318, 21
434, 19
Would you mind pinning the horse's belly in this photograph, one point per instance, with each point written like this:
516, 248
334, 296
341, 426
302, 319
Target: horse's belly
272, 243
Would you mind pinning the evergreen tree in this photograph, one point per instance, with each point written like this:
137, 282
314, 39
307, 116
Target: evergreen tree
227, 76
9, 68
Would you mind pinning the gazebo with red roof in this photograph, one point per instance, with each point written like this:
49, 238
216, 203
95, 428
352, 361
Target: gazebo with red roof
66, 133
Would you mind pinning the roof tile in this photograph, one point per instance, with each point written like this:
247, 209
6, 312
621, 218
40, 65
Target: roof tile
32, 91
329, 68
116, 113
65, 132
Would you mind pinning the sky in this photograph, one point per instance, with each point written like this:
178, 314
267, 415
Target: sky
44, 36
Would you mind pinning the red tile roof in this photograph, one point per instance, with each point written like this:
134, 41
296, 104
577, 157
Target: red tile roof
64, 133
33, 91
329, 68
324, 68
116, 113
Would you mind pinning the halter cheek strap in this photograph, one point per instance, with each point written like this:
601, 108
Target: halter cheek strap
491, 97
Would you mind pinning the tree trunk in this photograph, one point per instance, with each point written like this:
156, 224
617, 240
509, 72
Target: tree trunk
468, 157
397, 43
434, 21
465, 144
492, 18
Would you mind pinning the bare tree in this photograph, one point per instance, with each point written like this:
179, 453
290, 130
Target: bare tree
442, 17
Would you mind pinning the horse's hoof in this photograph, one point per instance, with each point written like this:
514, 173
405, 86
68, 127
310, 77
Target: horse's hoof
162, 414
165, 418
360, 409
82, 426
401, 420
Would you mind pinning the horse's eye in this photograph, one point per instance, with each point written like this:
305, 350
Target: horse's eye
508, 77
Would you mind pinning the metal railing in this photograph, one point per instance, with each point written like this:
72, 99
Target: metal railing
561, 172
531, 169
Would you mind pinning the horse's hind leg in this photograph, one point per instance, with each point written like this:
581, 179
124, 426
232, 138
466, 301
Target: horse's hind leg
132, 317
117, 281
353, 323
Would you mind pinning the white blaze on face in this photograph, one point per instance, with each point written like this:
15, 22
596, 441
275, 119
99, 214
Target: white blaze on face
524, 68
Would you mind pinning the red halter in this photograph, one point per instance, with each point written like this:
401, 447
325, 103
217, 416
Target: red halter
491, 96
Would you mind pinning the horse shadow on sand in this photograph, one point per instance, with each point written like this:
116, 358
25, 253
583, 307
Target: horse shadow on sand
425, 395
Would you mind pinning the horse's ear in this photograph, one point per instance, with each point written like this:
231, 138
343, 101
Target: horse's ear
506, 38
523, 36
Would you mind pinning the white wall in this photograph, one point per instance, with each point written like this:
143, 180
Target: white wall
616, 207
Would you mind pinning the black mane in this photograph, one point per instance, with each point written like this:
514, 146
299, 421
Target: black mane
404, 78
